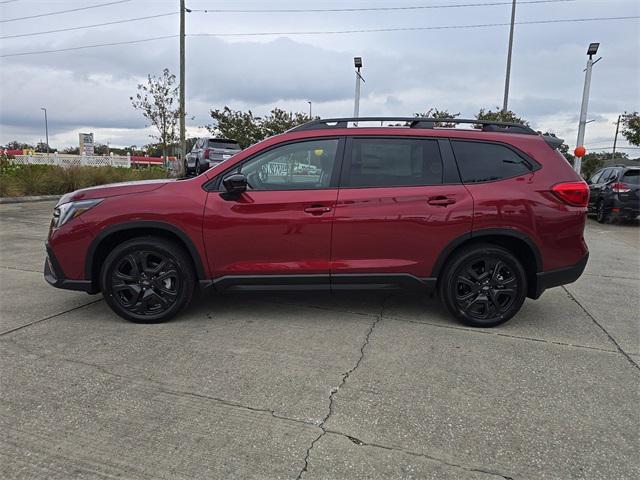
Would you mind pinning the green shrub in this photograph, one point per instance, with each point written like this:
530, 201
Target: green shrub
20, 180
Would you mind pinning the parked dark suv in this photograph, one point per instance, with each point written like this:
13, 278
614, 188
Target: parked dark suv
615, 193
207, 152
485, 216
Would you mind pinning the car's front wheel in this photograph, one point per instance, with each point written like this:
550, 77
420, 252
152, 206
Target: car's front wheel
147, 280
483, 285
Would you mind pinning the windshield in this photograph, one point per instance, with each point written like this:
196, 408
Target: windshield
213, 143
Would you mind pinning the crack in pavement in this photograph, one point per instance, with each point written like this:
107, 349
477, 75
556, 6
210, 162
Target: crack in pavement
362, 443
11, 330
335, 390
593, 319
439, 325
157, 386
21, 269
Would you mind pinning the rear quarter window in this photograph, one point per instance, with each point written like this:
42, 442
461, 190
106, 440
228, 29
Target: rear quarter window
631, 176
486, 162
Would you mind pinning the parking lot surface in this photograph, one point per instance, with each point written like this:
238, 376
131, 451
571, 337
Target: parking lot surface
318, 386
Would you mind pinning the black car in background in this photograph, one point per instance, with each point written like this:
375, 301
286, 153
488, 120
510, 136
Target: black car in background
207, 152
615, 193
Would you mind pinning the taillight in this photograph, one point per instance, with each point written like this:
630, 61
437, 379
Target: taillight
620, 187
206, 153
572, 193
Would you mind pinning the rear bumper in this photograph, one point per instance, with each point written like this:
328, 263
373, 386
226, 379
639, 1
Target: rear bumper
624, 208
54, 276
560, 276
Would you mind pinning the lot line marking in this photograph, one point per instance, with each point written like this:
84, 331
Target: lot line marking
593, 319
47, 318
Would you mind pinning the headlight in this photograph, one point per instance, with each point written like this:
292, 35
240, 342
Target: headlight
65, 212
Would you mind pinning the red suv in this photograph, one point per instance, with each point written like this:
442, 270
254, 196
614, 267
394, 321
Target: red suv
486, 216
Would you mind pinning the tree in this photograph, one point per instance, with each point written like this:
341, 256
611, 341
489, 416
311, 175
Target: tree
631, 127
236, 125
42, 147
158, 102
500, 116
247, 129
435, 113
564, 150
71, 151
15, 145
590, 163
279, 121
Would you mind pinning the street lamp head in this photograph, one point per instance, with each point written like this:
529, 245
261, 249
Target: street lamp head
593, 49
42, 108
357, 61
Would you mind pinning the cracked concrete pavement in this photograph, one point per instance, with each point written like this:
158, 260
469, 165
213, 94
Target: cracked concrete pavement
318, 386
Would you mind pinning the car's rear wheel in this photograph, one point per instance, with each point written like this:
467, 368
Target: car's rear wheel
147, 280
601, 212
483, 285
198, 169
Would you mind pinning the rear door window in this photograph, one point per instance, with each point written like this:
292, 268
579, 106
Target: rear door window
386, 162
596, 177
486, 162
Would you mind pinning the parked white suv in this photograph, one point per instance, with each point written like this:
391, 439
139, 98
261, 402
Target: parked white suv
207, 152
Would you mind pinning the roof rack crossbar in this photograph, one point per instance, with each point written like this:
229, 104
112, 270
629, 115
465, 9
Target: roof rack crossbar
416, 122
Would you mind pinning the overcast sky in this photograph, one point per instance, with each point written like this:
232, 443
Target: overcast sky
460, 70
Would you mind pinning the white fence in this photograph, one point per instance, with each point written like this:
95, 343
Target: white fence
73, 160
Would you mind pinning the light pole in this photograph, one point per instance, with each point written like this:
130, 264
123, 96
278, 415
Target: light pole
357, 61
591, 51
46, 127
615, 139
309, 102
508, 75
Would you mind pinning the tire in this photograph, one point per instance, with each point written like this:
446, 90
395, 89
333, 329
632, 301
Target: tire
198, 171
187, 172
474, 294
147, 280
601, 213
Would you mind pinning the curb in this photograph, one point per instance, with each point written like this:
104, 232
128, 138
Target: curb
38, 198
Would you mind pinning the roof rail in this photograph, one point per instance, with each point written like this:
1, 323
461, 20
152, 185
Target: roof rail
416, 122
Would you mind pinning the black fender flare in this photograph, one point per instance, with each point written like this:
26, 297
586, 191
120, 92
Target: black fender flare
504, 232
141, 224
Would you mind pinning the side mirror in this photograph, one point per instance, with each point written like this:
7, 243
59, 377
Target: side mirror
236, 183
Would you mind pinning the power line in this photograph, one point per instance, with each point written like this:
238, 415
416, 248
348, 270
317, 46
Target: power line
59, 12
89, 26
8, 1
533, 22
407, 29
141, 40
370, 9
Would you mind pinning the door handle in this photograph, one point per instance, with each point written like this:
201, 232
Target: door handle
317, 210
441, 201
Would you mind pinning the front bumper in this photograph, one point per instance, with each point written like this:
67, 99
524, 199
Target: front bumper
54, 276
560, 276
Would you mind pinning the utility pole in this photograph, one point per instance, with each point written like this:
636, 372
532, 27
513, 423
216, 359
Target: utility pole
593, 49
309, 102
508, 76
357, 61
615, 139
183, 140
46, 127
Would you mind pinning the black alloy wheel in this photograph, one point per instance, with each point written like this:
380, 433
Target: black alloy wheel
147, 280
484, 286
197, 168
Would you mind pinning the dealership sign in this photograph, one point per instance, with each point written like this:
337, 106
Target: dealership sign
86, 144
